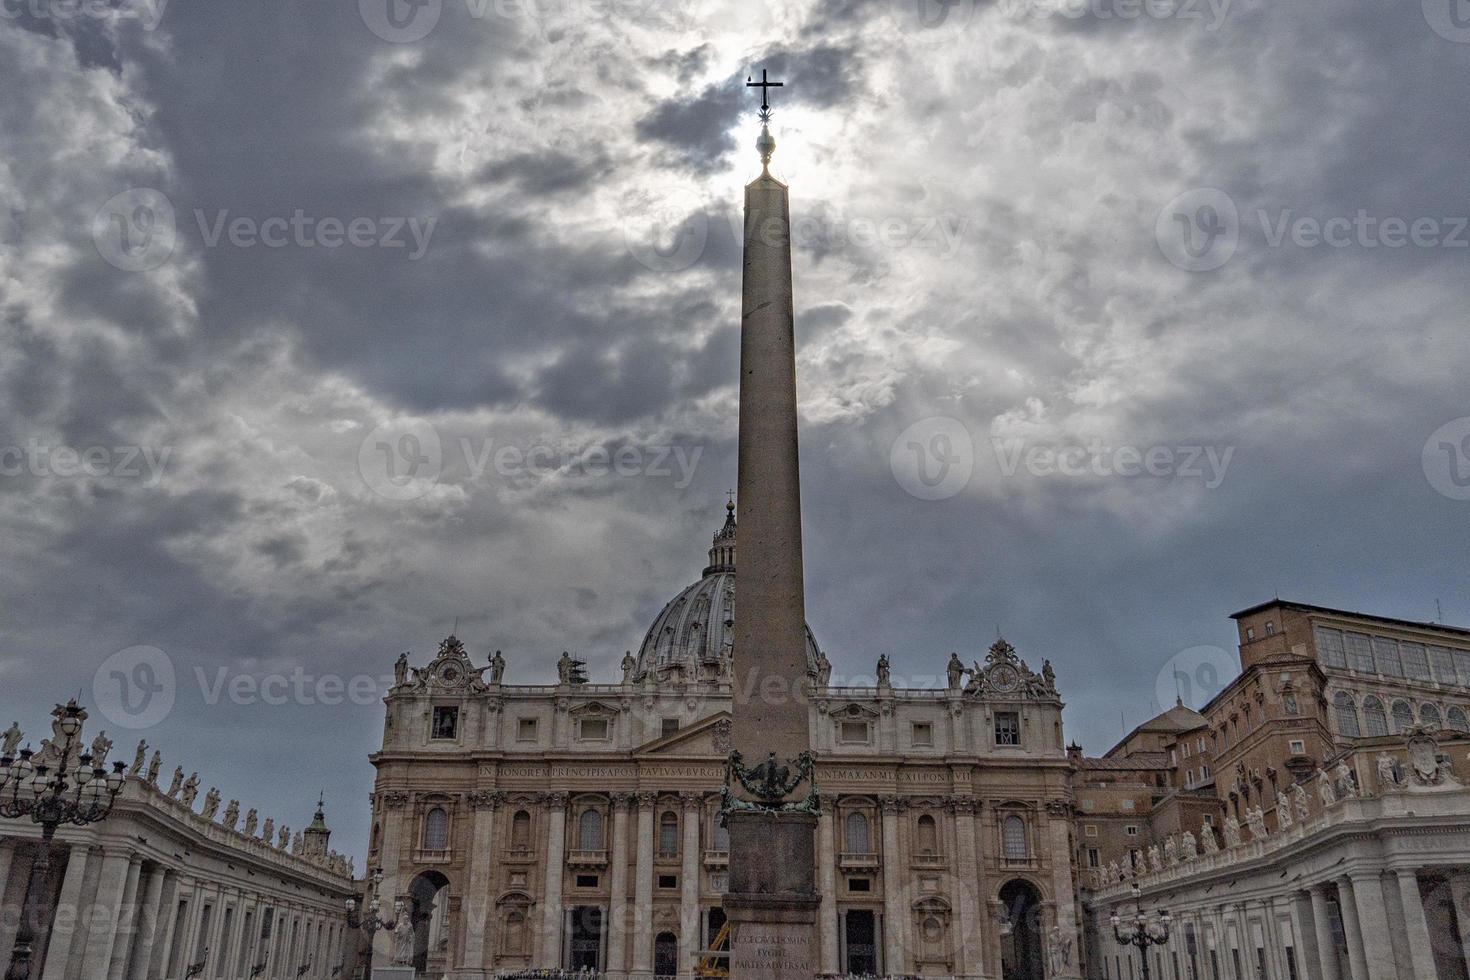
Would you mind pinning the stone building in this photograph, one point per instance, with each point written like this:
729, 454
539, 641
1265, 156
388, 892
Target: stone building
576, 825
162, 884
1335, 845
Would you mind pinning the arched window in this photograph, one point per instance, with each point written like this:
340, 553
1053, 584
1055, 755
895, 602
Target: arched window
668, 835
377, 838
1429, 715
1403, 716
857, 833
520, 830
436, 829
1375, 719
1455, 718
1013, 838
1347, 715
722, 836
927, 839
589, 831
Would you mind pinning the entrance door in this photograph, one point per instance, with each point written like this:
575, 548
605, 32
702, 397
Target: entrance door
586, 945
1020, 945
860, 928
666, 955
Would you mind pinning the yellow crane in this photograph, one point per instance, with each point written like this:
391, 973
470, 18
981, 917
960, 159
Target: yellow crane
715, 961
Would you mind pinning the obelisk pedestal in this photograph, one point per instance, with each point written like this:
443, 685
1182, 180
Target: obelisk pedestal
772, 900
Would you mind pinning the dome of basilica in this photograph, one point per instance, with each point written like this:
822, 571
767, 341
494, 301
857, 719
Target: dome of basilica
695, 632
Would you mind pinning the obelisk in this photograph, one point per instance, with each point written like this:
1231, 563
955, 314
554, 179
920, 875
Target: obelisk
772, 900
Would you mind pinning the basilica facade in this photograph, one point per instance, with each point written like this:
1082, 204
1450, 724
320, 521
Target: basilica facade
576, 825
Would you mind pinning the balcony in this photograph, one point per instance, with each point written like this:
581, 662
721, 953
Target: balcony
1020, 863
858, 860
583, 858
716, 858
520, 855
432, 855
929, 860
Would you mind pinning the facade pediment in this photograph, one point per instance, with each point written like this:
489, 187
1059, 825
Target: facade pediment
708, 736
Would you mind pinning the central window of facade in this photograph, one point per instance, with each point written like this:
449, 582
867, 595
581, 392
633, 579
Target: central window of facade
857, 834
1007, 728
589, 831
436, 829
1013, 838
668, 835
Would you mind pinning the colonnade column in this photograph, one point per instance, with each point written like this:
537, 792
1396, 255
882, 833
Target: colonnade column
643, 890
1347, 904
127, 921
1416, 926
1460, 895
477, 897
556, 859
1322, 926
7, 862
617, 920
970, 953
1373, 923
67, 913
893, 959
689, 886
102, 923
827, 885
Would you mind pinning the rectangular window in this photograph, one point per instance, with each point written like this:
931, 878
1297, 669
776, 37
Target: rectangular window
668, 881
853, 732
1094, 859
1416, 661
587, 881
1386, 653
1205, 772
526, 730
923, 734
1007, 728
1131, 830
1329, 647
1462, 666
859, 884
669, 726
446, 722
1127, 805
1298, 747
592, 730
1442, 661
1359, 652
1090, 830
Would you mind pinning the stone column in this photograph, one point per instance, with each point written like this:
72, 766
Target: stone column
689, 886
67, 913
477, 895
553, 915
127, 925
1059, 823
617, 920
102, 924
893, 877
1373, 925
1460, 895
1352, 928
148, 911
643, 890
827, 882
7, 922
1416, 926
164, 931
968, 884
1322, 928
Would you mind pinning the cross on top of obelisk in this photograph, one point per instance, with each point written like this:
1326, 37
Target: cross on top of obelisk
765, 86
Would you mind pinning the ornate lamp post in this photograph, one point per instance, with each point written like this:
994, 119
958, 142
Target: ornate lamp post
52, 798
371, 922
1141, 930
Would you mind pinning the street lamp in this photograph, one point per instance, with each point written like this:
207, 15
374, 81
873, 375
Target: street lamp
372, 921
51, 799
1141, 930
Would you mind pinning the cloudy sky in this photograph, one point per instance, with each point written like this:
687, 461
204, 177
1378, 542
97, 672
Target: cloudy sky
329, 324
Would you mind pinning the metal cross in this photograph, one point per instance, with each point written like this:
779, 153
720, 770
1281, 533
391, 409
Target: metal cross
764, 86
